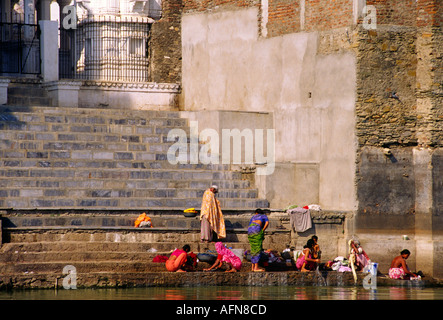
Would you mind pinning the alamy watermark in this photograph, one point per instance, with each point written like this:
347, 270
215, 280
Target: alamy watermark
70, 20
369, 13
369, 17
370, 280
70, 281
204, 147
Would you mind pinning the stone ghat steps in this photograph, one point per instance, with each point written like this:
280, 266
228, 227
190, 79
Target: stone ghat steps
105, 225
29, 256
133, 203
40, 243
46, 256
123, 266
98, 251
76, 131
191, 279
164, 241
168, 231
97, 158
95, 262
72, 115
52, 257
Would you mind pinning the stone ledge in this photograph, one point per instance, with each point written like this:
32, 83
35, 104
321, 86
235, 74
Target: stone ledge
172, 279
131, 229
145, 86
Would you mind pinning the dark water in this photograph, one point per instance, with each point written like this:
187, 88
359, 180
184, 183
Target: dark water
230, 293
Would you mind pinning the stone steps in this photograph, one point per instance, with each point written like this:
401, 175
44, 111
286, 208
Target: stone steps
161, 239
107, 267
82, 267
99, 251
93, 257
43, 243
108, 221
43, 202
98, 158
191, 279
45, 256
95, 252
53, 262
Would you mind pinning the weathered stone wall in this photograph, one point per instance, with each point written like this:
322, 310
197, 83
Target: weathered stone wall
387, 65
326, 15
399, 136
395, 12
283, 17
399, 76
195, 6
387, 183
165, 45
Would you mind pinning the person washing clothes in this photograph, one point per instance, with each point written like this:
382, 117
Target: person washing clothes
177, 260
305, 262
225, 255
316, 254
399, 269
361, 258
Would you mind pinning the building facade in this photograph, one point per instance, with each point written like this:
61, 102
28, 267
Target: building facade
103, 50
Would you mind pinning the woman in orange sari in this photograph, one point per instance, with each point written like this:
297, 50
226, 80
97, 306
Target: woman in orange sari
177, 259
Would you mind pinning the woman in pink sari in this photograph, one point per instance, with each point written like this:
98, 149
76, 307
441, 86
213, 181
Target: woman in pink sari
226, 255
305, 262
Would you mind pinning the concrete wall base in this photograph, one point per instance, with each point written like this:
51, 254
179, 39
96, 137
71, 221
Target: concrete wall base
132, 96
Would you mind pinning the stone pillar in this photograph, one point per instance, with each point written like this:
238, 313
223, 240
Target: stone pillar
6, 11
44, 10
63, 93
29, 11
49, 50
4, 91
422, 161
427, 157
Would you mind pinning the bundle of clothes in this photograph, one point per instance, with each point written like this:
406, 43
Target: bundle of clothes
340, 264
143, 221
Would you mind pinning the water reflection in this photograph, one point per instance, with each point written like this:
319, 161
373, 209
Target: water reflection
231, 293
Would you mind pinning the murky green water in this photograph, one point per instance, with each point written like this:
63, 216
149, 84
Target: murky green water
230, 293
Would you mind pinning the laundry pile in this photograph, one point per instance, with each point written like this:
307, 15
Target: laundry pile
340, 264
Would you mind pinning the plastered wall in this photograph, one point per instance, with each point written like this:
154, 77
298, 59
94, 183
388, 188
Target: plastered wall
227, 66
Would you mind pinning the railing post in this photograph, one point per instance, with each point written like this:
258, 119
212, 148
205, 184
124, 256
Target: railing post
4, 95
49, 50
